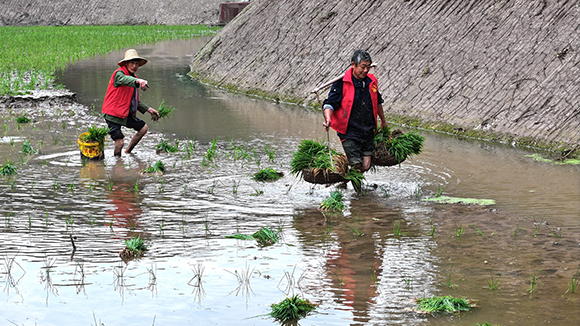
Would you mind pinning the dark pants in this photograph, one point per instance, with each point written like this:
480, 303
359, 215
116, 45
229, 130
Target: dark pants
133, 123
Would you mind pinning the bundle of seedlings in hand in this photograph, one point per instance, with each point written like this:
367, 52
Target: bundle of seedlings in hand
334, 203
267, 174
447, 304
158, 167
164, 110
134, 248
27, 148
166, 147
292, 309
397, 144
95, 134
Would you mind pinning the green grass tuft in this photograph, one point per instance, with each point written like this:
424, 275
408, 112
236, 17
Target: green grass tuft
267, 174
292, 309
446, 304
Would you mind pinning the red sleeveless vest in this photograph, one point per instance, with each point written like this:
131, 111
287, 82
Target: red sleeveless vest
341, 115
118, 99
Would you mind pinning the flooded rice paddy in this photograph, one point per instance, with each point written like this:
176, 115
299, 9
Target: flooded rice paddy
63, 223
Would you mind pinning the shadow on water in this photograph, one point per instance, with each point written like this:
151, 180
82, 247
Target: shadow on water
355, 265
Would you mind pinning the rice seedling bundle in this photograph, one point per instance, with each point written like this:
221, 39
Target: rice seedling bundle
334, 203
397, 144
292, 309
166, 147
267, 174
265, 236
95, 134
8, 169
27, 148
447, 304
135, 245
23, 119
157, 167
164, 110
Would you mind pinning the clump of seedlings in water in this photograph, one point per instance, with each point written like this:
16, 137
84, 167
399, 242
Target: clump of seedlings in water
8, 169
443, 304
267, 174
493, 284
292, 309
27, 148
22, 119
134, 248
157, 168
334, 203
164, 110
166, 147
265, 236
573, 284
95, 134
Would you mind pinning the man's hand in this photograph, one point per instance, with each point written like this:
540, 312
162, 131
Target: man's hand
326, 124
154, 114
327, 112
142, 83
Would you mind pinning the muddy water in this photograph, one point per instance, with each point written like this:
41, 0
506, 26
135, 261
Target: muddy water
351, 264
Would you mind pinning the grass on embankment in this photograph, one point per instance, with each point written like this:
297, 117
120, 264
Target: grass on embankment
29, 56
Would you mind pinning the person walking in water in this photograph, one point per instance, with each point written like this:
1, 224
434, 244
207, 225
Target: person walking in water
352, 107
122, 102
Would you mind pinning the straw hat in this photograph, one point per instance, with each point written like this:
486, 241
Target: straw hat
132, 54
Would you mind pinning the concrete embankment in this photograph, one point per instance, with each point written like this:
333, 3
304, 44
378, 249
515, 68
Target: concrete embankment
502, 70
108, 12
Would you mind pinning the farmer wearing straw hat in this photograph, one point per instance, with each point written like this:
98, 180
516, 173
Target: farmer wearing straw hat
122, 102
352, 107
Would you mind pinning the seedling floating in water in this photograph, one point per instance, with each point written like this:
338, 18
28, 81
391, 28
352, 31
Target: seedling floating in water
265, 236
292, 309
445, 304
134, 248
267, 174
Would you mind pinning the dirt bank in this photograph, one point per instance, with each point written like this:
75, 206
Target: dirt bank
108, 12
506, 70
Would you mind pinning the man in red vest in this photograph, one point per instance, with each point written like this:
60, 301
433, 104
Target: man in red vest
122, 102
352, 107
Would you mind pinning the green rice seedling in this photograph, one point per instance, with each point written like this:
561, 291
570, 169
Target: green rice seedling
478, 230
8, 169
210, 154
443, 304
267, 174
374, 277
266, 236
334, 203
157, 167
408, 281
257, 193
166, 147
235, 187
356, 178
439, 192
27, 148
448, 281
136, 245
533, 282
312, 154
292, 309
400, 145
164, 110
397, 229
573, 284
356, 232
459, 231
23, 119
95, 134
555, 232
493, 284
432, 231
537, 227
271, 153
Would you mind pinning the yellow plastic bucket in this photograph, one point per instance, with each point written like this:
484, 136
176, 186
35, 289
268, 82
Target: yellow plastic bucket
91, 150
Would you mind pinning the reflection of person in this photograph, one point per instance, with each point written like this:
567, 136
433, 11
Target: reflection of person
351, 109
122, 102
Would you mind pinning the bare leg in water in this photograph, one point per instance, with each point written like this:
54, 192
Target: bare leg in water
135, 140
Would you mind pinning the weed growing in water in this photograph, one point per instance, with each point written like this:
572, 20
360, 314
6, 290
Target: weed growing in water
267, 174
446, 304
334, 203
291, 309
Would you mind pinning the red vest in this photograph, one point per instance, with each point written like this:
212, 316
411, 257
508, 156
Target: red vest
340, 116
118, 99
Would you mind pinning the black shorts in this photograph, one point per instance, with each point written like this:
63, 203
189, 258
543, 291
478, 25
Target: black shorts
355, 150
133, 123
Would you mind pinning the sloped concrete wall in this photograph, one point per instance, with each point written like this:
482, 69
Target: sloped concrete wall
508, 67
108, 12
